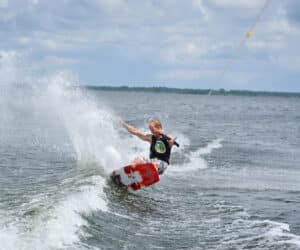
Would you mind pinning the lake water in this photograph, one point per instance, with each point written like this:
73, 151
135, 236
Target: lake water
234, 182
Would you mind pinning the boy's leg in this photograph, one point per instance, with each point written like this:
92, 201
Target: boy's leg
138, 160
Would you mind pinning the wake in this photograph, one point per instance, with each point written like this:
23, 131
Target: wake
195, 158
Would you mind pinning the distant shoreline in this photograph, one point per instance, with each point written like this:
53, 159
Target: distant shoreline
194, 91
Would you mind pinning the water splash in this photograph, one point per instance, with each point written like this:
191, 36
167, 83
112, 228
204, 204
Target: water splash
90, 128
58, 112
196, 161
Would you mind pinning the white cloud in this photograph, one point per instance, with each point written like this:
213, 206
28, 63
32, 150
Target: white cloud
186, 74
24, 40
3, 3
198, 4
112, 5
61, 42
274, 33
185, 53
58, 60
9, 72
239, 4
53, 44
275, 43
279, 26
34, 2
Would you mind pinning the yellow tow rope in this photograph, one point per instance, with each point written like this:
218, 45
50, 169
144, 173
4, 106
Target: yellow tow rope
247, 36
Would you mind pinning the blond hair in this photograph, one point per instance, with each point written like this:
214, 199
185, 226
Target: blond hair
155, 122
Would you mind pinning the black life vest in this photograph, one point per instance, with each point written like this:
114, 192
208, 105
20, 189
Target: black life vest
160, 148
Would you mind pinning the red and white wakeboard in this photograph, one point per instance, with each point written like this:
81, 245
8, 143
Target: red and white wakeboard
137, 176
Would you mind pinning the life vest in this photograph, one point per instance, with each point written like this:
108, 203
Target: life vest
160, 148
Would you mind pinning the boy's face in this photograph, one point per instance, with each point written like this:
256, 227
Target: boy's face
155, 130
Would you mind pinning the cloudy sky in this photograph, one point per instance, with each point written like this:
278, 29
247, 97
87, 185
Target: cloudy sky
173, 43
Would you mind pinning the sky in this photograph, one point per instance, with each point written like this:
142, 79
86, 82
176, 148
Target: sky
169, 43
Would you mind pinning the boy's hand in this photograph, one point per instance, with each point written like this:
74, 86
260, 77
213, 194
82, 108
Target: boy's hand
172, 141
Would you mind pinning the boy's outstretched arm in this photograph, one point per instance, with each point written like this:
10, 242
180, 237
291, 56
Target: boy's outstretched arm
135, 131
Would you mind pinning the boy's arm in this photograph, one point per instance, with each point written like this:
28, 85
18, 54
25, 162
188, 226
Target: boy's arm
172, 141
135, 131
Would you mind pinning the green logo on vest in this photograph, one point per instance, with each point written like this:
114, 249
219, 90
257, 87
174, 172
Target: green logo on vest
160, 147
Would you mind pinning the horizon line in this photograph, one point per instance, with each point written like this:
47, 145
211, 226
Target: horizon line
203, 91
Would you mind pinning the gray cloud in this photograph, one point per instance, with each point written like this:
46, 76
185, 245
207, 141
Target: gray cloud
293, 10
180, 37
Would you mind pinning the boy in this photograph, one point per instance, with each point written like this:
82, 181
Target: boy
160, 144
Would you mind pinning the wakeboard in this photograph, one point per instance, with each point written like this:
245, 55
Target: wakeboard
136, 176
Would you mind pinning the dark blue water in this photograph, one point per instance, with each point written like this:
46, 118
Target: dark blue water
232, 184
